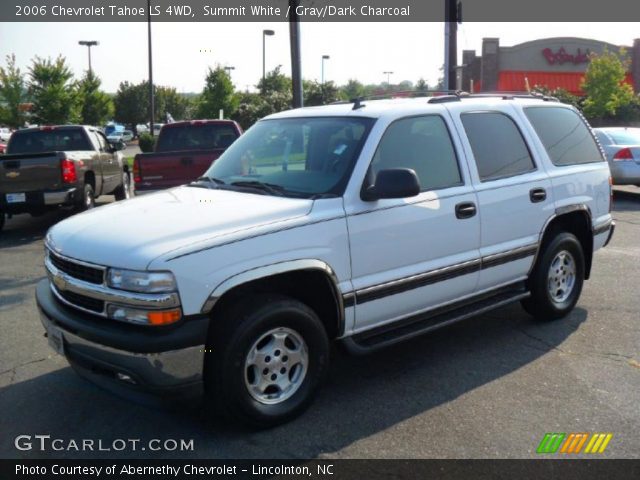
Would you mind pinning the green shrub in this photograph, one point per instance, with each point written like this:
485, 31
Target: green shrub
146, 142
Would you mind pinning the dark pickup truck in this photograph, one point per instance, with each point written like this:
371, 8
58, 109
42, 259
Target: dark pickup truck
69, 166
183, 152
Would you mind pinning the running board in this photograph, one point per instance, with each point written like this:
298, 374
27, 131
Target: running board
415, 325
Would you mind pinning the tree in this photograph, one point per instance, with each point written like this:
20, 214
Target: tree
218, 93
275, 82
12, 94
560, 93
53, 91
169, 101
96, 107
421, 85
604, 86
353, 89
320, 94
132, 103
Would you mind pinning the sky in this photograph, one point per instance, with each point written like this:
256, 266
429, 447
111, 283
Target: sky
182, 52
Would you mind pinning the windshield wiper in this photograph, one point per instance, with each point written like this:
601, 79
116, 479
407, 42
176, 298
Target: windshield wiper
265, 187
213, 180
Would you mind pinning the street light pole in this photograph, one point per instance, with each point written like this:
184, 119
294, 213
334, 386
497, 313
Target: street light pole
89, 44
265, 33
151, 99
388, 74
228, 70
324, 57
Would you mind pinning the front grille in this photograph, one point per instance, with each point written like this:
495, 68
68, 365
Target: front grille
77, 270
82, 301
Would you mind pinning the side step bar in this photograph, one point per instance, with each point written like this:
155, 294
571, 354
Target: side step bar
419, 324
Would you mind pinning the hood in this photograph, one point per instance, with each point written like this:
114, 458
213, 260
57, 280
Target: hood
131, 233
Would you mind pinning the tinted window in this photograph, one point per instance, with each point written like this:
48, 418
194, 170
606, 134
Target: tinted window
38, 141
498, 146
196, 137
564, 135
422, 144
305, 156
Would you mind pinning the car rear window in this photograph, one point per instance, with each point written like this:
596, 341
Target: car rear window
38, 141
564, 135
196, 137
625, 137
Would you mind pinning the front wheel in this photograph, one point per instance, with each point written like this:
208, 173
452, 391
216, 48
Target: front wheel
557, 278
266, 361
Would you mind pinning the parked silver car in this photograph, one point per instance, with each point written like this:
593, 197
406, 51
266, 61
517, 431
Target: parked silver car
622, 147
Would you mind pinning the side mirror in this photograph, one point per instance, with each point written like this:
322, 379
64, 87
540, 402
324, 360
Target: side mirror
393, 183
117, 146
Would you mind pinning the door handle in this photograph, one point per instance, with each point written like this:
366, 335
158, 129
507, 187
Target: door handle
537, 195
465, 210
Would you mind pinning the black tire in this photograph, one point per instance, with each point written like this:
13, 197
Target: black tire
123, 192
543, 304
88, 200
240, 328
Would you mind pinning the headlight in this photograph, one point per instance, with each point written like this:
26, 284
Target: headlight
142, 282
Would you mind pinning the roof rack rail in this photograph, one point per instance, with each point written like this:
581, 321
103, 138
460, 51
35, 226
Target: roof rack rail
398, 94
510, 95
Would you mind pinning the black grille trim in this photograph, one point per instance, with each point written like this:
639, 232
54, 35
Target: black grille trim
81, 301
76, 270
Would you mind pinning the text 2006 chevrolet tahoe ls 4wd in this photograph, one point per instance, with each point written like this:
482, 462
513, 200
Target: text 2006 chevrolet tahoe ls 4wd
369, 223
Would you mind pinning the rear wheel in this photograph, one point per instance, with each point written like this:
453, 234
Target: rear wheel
557, 278
88, 201
123, 192
266, 360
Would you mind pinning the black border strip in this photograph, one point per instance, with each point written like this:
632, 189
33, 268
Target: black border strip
430, 277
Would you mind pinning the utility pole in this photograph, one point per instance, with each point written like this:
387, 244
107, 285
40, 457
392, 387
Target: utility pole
452, 16
151, 99
296, 69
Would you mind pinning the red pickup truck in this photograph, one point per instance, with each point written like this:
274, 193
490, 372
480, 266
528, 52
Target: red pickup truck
183, 152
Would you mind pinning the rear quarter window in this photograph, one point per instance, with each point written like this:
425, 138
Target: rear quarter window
565, 135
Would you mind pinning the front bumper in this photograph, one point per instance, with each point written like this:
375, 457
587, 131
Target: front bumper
166, 361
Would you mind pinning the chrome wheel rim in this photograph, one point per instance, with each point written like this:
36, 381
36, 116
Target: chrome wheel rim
88, 200
125, 185
562, 276
276, 366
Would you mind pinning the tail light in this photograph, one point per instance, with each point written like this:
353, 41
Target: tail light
136, 171
623, 154
68, 169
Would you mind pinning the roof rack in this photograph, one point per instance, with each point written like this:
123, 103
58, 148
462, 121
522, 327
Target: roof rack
445, 96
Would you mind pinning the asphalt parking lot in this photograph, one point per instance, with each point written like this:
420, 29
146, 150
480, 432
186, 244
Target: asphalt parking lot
490, 387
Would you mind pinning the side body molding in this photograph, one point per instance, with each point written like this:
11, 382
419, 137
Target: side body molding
275, 269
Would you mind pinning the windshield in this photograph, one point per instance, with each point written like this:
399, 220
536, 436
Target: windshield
307, 156
38, 141
205, 136
625, 137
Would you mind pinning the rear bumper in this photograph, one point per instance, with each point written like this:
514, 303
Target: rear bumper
35, 201
625, 173
125, 359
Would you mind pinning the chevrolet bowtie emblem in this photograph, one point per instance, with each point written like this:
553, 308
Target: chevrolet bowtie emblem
60, 282
12, 174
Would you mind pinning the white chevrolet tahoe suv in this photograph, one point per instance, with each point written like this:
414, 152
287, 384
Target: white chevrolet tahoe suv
367, 222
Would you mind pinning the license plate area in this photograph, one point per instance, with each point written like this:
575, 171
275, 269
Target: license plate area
55, 339
16, 197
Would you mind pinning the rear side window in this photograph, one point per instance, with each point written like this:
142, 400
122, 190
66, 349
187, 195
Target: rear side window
206, 136
422, 144
564, 135
497, 144
39, 141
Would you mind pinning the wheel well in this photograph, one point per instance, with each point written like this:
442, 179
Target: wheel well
578, 223
314, 288
90, 178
